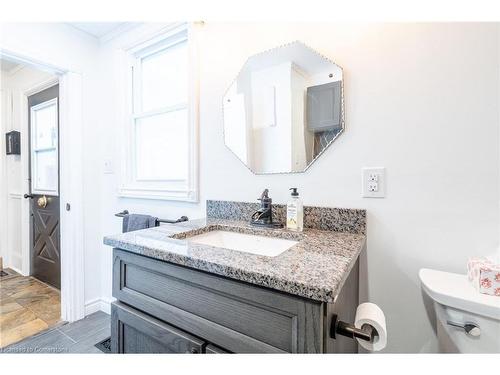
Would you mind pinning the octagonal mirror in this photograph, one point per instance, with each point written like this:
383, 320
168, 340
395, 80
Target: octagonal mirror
284, 109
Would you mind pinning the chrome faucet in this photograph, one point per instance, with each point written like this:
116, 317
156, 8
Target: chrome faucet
264, 215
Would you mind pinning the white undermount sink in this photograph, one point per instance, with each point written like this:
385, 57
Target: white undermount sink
248, 243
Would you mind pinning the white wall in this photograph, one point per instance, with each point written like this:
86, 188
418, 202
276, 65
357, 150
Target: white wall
271, 128
13, 86
65, 47
421, 100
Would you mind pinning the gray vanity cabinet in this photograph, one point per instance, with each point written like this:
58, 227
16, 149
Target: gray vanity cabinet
163, 307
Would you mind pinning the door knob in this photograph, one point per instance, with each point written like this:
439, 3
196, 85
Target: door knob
26, 196
42, 202
470, 329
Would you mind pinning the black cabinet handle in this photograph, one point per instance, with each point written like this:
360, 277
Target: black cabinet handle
26, 196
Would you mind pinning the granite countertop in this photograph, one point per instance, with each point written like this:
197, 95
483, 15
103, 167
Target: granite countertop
315, 268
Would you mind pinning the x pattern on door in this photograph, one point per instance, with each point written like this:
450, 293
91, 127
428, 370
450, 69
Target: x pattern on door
46, 236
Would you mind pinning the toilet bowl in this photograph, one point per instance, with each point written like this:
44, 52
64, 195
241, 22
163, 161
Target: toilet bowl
466, 320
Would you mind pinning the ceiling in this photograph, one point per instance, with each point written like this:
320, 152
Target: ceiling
98, 29
7, 66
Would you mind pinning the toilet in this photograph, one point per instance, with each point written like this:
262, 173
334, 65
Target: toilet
466, 320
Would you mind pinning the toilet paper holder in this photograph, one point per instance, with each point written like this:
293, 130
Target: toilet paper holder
338, 327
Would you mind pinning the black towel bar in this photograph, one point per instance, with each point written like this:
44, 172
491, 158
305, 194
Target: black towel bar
179, 220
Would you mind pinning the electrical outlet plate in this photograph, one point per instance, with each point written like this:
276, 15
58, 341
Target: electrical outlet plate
373, 182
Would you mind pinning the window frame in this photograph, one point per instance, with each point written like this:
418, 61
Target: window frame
131, 186
34, 148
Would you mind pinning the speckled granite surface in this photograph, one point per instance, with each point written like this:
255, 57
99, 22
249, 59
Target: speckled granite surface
316, 267
324, 218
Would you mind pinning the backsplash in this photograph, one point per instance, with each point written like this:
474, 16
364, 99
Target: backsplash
324, 218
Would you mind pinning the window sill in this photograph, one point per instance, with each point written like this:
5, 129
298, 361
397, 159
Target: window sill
165, 195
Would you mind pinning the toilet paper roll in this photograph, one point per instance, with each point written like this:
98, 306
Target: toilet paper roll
369, 313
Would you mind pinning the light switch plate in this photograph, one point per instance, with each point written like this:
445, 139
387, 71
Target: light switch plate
373, 182
108, 166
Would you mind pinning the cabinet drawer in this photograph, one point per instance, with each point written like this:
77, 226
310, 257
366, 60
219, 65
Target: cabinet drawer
228, 313
136, 332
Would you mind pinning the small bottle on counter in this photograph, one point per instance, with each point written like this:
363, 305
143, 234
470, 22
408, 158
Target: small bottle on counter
295, 212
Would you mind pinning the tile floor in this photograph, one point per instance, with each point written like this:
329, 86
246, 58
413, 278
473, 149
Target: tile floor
27, 307
77, 337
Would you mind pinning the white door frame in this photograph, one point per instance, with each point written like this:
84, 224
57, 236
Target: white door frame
70, 179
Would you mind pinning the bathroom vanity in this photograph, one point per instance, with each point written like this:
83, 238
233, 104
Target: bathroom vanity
180, 291
222, 285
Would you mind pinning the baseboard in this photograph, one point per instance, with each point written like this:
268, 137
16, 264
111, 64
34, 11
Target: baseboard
15, 269
98, 304
106, 304
93, 306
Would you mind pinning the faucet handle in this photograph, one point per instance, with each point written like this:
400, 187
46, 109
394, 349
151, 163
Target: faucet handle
264, 195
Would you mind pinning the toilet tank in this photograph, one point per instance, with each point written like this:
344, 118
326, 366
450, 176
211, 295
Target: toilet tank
454, 340
457, 303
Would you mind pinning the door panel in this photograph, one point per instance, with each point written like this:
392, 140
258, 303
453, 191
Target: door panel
133, 331
45, 256
44, 185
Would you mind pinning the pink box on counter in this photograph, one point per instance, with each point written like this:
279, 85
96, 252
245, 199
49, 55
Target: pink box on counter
484, 275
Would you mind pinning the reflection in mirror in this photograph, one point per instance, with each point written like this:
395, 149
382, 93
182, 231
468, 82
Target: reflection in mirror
284, 109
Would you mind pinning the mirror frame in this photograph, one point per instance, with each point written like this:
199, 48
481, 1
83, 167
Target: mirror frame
342, 118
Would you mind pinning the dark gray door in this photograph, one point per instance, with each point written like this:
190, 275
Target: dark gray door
44, 186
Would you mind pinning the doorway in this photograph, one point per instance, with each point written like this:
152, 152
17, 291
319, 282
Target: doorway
30, 298
43, 123
66, 203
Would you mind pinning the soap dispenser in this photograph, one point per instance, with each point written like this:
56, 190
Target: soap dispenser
295, 212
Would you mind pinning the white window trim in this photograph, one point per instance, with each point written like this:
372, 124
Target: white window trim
164, 190
33, 109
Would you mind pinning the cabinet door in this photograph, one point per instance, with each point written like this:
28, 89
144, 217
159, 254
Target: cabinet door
213, 349
135, 332
323, 107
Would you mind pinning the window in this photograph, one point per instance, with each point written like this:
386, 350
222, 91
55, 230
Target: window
44, 158
161, 144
